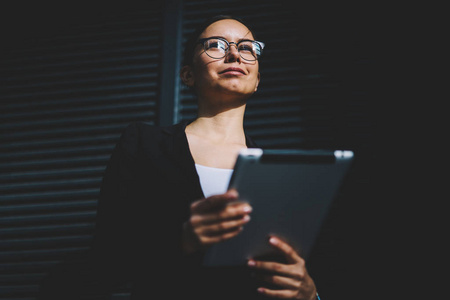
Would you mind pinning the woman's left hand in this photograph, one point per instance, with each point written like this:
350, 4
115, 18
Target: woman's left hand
292, 277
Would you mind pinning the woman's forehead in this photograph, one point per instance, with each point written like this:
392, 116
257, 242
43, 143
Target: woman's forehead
230, 29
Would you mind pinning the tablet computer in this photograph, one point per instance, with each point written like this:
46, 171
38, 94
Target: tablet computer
290, 192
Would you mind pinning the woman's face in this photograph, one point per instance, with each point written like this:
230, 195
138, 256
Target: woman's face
228, 76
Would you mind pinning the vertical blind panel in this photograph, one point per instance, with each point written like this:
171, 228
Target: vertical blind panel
65, 100
300, 98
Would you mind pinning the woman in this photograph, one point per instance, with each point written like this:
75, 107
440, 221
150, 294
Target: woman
223, 83
159, 210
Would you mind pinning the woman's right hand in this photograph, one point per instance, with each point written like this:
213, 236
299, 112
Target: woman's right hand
214, 219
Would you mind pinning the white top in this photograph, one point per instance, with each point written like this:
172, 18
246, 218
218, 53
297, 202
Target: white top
213, 180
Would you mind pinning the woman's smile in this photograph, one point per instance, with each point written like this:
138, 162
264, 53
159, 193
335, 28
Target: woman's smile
233, 71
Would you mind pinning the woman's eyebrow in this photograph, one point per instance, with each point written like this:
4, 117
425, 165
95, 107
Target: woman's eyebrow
216, 37
221, 37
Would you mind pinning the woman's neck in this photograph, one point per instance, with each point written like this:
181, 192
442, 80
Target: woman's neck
222, 127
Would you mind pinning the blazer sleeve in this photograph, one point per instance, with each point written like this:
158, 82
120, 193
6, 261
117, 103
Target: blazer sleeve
113, 239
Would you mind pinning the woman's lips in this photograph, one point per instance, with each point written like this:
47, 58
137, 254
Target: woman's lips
233, 71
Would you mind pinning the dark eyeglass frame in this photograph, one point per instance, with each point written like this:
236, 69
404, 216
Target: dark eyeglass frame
202, 41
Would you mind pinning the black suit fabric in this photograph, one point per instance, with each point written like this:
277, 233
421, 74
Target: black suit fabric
148, 186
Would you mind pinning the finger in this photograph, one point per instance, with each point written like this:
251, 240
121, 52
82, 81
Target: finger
209, 240
281, 281
289, 252
223, 227
213, 202
282, 294
273, 267
234, 212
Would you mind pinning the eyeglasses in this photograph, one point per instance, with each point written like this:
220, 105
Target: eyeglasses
217, 47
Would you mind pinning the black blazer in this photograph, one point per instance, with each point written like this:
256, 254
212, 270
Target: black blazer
146, 192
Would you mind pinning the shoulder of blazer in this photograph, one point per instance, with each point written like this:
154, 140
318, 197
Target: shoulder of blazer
139, 135
144, 129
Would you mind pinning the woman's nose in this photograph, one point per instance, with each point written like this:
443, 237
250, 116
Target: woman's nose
232, 54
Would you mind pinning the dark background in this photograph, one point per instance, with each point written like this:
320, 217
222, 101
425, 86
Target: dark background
74, 74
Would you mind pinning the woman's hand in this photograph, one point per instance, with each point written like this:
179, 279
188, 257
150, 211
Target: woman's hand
214, 219
292, 278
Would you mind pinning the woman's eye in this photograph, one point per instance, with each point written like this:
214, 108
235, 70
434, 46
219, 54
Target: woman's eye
216, 45
246, 48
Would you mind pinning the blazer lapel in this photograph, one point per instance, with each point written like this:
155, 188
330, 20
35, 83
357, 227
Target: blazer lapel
181, 155
249, 142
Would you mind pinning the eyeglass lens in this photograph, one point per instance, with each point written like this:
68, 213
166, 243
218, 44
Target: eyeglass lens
217, 48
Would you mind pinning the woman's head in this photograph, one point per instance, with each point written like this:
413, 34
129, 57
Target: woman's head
191, 43
218, 59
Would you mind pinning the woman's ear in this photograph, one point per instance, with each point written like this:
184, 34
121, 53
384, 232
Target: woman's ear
186, 76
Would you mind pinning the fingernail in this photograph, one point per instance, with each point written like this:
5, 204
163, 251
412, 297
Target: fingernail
251, 263
247, 209
246, 218
260, 290
233, 193
273, 241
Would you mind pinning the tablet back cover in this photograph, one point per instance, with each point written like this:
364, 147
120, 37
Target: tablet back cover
290, 193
